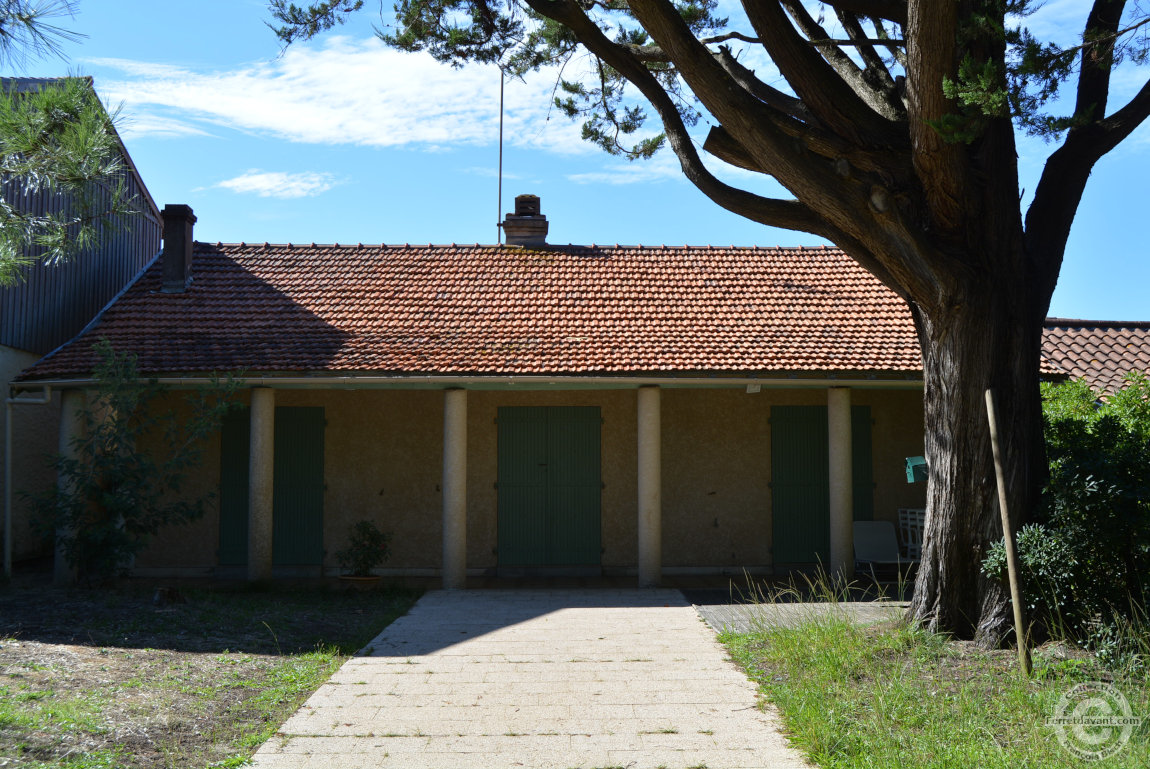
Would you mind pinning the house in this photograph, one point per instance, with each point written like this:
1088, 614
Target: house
52, 305
527, 408
1099, 351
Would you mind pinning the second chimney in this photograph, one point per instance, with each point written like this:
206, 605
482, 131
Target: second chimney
526, 227
177, 254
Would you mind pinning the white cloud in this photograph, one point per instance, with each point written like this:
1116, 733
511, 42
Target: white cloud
665, 166
343, 91
491, 173
638, 172
660, 168
277, 184
156, 125
1059, 21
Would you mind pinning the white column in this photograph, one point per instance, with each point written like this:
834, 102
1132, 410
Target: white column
454, 489
261, 479
72, 406
839, 458
650, 489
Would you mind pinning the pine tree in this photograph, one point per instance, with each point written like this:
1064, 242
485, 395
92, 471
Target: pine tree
57, 144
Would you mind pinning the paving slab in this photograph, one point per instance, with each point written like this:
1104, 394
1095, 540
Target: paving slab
748, 617
547, 679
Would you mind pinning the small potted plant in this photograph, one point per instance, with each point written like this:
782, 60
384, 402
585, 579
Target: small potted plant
367, 547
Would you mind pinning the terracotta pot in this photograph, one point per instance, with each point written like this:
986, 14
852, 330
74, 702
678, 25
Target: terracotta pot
359, 583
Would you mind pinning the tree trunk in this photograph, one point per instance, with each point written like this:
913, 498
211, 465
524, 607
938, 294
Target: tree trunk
989, 337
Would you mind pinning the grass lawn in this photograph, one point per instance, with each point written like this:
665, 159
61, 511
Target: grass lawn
892, 696
105, 678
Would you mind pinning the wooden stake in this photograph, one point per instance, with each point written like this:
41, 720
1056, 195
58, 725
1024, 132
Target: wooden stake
1008, 537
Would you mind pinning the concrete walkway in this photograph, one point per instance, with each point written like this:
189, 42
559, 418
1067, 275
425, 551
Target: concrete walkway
537, 679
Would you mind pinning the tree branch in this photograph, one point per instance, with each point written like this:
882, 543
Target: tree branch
888, 166
1120, 125
899, 53
732, 105
844, 65
831, 99
875, 65
783, 102
730, 36
789, 214
931, 59
834, 200
1064, 179
890, 10
858, 42
653, 53
1094, 74
1067, 170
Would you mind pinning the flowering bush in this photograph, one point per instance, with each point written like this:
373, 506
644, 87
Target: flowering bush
367, 547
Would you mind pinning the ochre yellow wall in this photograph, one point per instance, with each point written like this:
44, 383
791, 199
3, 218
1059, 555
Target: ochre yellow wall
193, 545
383, 461
897, 433
35, 442
716, 466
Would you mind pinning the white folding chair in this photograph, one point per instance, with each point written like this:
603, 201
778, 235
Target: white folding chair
876, 545
910, 524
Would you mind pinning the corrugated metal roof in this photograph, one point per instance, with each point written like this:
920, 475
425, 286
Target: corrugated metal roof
54, 303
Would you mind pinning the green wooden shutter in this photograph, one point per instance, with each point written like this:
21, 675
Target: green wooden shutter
549, 486
800, 484
862, 464
297, 518
297, 506
235, 445
800, 480
522, 491
574, 488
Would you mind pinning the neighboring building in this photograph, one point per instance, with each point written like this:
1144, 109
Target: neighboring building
1100, 351
526, 408
52, 305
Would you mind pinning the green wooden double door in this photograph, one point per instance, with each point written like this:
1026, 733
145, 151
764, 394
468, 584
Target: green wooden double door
549, 486
297, 506
800, 480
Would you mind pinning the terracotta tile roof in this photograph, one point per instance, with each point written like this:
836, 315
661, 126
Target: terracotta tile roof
574, 310
1101, 352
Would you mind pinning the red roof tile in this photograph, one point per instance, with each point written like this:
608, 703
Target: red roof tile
433, 310
1101, 352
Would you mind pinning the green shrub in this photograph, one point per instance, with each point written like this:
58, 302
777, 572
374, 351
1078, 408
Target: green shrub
367, 547
1086, 564
1048, 570
116, 492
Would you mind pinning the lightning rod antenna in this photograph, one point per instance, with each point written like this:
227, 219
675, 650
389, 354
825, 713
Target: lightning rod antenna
499, 203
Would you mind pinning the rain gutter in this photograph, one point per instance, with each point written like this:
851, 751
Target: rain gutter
352, 381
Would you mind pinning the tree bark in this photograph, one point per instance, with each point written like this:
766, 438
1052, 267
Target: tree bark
989, 338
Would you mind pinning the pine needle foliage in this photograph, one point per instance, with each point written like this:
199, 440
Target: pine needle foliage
62, 172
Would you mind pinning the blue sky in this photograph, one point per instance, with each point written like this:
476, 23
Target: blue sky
343, 140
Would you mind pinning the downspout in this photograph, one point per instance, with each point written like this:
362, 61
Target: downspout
11, 401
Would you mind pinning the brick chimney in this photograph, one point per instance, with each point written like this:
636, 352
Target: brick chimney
177, 255
526, 227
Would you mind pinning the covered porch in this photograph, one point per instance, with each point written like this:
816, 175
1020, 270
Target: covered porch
523, 477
